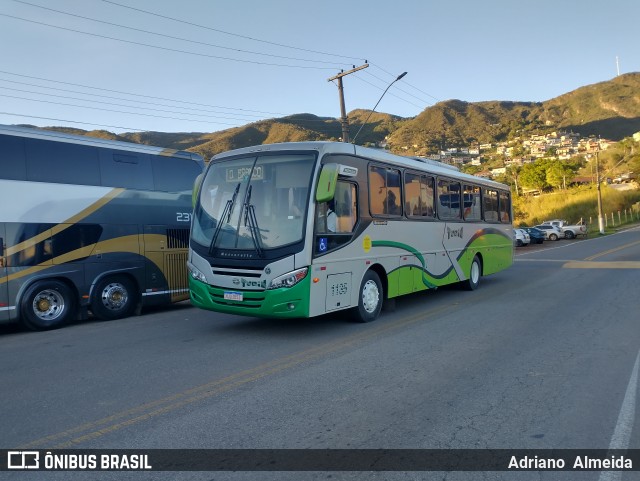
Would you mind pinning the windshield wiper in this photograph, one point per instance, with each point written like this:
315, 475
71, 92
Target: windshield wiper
251, 221
228, 208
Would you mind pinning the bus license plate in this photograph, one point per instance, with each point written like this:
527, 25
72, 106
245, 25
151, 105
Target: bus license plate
232, 296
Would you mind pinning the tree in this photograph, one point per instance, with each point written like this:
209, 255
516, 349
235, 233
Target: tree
533, 176
559, 174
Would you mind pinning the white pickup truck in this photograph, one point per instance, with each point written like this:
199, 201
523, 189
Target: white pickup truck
569, 231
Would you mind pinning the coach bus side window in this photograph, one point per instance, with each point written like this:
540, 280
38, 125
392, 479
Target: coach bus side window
505, 207
14, 166
418, 191
490, 205
62, 162
171, 175
131, 170
384, 191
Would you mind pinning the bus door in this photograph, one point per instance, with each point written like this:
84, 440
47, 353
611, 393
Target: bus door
166, 248
4, 291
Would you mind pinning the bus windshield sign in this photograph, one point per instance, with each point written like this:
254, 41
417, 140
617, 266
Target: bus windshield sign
236, 174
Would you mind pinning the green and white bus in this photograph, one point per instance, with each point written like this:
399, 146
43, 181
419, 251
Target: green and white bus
304, 229
88, 224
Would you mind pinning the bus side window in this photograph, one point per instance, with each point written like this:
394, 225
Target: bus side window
340, 214
490, 205
384, 191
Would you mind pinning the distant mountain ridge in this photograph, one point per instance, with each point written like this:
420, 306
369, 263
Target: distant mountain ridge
609, 109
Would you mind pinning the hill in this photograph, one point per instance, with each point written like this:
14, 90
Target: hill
608, 109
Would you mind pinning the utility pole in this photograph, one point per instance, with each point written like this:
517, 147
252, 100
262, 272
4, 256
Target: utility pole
343, 111
600, 219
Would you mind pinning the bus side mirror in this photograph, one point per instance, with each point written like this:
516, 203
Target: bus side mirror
196, 189
326, 188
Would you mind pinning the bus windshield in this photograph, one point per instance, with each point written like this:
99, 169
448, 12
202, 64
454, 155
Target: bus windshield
258, 202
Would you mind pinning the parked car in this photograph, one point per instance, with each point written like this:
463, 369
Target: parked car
568, 231
551, 232
537, 236
521, 237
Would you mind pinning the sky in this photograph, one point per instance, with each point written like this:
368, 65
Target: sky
210, 65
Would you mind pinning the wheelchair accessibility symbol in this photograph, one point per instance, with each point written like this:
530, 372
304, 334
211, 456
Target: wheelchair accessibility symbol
322, 244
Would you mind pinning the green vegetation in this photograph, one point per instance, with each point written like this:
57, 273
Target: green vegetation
580, 203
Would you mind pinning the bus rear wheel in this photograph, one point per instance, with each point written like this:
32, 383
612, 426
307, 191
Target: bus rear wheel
46, 305
369, 298
475, 272
113, 298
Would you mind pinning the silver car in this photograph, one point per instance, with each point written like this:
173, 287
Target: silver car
551, 232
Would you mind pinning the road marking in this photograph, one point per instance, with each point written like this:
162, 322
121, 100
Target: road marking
602, 265
622, 432
71, 438
611, 251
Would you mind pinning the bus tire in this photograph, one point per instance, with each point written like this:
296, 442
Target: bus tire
370, 297
47, 304
113, 298
475, 273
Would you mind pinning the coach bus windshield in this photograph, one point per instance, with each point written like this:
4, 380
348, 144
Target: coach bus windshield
257, 202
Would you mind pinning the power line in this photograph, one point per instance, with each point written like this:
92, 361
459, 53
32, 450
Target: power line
408, 84
126, 106
402, 90
248, 120
171, 36
168, 49
116, 111
391, 94
136, 94
74, 122
230, 33
111, 97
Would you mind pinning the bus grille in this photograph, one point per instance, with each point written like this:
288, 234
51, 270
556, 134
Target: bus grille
178, 238
251, 299
177, 275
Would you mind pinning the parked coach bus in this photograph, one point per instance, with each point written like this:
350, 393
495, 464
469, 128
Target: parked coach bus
303, 229
88, 224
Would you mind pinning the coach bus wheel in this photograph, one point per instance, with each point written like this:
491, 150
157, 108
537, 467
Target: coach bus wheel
475, 272
46, 305
370, 297
113, 298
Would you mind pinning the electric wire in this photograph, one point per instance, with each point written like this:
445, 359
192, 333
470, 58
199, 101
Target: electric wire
129, 106
137, 129
170, 36
116, 111
168, 49
229, 33
136, 94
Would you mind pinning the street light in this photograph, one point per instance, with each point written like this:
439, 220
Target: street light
374, 107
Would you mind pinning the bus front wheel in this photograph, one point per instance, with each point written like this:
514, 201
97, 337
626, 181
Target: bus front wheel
369, 298
113, 298
46, 304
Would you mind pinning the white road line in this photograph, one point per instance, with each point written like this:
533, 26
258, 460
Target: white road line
622, 433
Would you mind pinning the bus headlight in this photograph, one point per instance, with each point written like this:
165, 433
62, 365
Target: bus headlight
289, 279
195, 273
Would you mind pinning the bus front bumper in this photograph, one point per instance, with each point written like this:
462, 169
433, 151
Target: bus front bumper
285, 302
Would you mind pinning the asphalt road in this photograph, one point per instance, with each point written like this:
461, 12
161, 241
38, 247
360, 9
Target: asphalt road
541, 356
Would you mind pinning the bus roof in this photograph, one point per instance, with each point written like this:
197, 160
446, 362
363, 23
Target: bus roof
35, 133
324, 147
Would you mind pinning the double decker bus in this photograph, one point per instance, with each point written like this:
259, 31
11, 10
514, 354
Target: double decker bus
90, 225
304, 229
